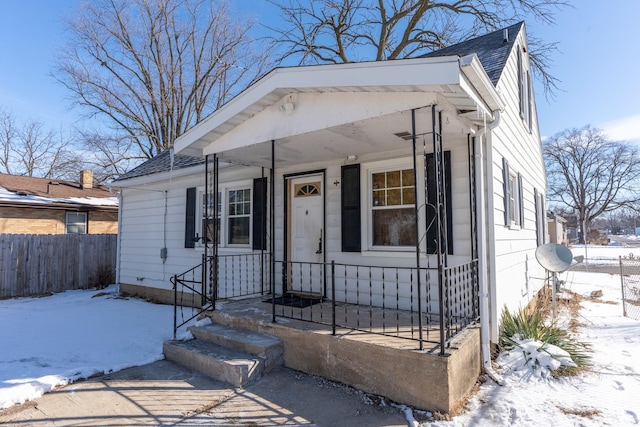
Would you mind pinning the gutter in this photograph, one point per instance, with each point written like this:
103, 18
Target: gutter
58, 206
484, 251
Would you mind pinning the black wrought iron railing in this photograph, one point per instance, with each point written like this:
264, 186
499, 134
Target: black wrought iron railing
232, 276
390, 301
400, 302
190, 296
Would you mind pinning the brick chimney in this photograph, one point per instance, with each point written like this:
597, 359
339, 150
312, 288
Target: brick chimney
86, 179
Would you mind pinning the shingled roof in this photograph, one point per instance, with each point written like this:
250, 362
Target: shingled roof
492, 50
26, 190
162, 163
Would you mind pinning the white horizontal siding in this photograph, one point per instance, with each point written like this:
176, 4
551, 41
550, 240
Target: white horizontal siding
146, 229
517, 274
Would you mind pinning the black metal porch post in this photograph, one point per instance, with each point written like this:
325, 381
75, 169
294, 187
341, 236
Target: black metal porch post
204, 276
437, 160
262, 246
216, 231
272, 227
417, 221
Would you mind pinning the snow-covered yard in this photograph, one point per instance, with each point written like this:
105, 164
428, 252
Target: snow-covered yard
50, 341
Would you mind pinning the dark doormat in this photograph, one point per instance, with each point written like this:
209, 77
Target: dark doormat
294, 301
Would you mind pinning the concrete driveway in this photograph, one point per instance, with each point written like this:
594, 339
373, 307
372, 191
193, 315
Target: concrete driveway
163, 393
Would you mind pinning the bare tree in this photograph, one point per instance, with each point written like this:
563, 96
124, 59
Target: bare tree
30, 149
590, 175
109, 156
154, 68
8, 135
339, 31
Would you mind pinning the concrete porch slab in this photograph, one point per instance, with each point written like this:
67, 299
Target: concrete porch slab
388, 366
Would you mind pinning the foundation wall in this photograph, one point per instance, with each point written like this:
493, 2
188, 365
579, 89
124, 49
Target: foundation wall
417, 378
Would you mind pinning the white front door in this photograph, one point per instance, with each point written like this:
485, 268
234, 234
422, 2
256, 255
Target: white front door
306, 234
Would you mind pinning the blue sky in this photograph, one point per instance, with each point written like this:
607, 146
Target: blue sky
597, 63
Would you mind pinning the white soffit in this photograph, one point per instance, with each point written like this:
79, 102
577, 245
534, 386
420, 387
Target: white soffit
409, 78
313, 112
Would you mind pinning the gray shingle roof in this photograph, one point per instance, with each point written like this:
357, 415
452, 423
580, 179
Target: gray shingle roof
161, 163
492, 50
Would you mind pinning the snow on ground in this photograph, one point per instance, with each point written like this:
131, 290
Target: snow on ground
608, 394
595, 255
50, 341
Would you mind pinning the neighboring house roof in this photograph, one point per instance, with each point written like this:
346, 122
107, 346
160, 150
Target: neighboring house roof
553, 216
492, 49
162, 163
22, 191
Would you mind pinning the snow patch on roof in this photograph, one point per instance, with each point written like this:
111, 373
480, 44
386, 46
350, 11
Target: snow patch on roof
10, 196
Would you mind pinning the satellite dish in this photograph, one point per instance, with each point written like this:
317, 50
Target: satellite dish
554, 257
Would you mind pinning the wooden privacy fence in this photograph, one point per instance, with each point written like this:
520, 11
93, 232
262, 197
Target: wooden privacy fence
39, 264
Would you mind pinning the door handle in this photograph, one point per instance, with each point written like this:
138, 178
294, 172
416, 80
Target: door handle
319, 251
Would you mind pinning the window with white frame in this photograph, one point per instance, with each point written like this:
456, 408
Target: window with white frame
392, 198
76, 222
513, 201
209, 213
513, 198
239, 216
525, 91
233, 212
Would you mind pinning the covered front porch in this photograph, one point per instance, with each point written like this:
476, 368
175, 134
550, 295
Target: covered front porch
366, 256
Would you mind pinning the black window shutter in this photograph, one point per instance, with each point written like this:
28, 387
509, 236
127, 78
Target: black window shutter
506, 190
190, 219
432, 231
260, 213
350, 208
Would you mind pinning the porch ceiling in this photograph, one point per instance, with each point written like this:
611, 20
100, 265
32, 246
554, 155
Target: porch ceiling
388, 133
372, 104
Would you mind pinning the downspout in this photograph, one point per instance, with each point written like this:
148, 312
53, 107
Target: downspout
484, 251
119, 240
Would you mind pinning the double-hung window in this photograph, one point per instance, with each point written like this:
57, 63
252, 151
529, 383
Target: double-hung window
76, 222
238, 216
393, 208
209, 212
233, 213
525, 91
382, 217
513, 200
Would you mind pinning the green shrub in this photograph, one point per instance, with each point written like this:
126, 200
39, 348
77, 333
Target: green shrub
523, 325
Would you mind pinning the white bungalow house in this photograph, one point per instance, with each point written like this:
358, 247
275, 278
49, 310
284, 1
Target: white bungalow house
409, 191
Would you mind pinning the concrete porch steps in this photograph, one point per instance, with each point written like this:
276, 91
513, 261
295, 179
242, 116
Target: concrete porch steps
227, 354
